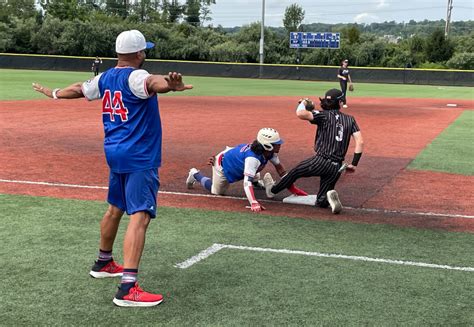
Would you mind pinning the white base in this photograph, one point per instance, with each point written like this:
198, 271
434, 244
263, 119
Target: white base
309, 200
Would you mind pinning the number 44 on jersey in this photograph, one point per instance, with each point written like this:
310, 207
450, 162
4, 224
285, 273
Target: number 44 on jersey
114, 106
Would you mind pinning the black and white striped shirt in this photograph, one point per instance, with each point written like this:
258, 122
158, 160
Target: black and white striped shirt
333, 134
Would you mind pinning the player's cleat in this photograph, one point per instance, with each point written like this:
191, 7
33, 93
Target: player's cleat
334, 202
111, 269
136, 297
191, 180
344, 106
268, 182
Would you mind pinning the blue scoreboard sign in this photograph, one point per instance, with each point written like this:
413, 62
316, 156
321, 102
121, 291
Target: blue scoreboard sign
325, 40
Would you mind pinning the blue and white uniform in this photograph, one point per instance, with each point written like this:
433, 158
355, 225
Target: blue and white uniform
242, 161
235, 164
132, 137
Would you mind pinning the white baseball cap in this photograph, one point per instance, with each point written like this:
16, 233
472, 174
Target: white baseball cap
131, 41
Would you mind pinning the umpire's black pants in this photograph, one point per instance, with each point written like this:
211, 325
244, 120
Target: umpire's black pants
314, 166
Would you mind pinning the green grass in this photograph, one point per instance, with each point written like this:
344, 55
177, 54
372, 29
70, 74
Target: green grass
452, 151
48, 246
16, 84
20, 81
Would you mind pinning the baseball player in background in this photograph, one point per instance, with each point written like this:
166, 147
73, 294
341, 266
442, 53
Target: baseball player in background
243, 162
96, 65
344, 77
132, 147
334, 131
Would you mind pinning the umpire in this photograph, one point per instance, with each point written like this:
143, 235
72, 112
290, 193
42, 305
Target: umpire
331, 143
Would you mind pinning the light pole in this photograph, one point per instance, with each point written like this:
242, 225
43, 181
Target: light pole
262, 36
448, 17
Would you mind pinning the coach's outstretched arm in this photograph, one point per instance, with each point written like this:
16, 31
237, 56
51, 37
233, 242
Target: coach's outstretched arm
72, 91
155, 84
163, 84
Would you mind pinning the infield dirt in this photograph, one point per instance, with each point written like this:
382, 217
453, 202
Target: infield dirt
61, 142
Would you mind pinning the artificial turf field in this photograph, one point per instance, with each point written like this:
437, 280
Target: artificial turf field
49, 245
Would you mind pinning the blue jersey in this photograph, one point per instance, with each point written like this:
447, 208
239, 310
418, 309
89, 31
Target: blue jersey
233, 163
131, 118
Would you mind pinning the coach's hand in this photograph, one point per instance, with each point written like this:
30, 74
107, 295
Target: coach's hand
175, 82
41, 89
257, 207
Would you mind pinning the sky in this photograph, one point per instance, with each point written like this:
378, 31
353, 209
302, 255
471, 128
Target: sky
230, 13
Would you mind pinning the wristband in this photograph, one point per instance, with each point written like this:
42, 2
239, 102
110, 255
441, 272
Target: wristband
356, 158
55, 94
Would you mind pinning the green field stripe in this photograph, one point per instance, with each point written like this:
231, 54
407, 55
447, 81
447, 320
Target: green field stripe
452, 151
16, 85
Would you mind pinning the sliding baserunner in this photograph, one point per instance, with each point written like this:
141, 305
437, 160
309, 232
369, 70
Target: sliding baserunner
243, 162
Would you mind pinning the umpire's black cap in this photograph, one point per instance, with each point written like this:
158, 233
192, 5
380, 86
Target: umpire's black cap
334, 94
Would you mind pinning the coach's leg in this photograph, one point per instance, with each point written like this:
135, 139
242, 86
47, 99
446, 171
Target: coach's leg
141, 195
105, 265
109, 227
129, 293
134, 240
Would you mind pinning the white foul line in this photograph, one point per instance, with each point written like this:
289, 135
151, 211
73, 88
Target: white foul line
200, 256
53, 184
403, 212
217, 247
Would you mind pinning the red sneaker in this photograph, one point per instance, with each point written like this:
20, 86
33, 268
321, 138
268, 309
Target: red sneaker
111, 269
136, 297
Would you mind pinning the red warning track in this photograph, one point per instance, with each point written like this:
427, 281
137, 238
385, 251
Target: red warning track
61, 142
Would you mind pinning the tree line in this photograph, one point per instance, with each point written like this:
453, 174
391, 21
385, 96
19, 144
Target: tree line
181, 32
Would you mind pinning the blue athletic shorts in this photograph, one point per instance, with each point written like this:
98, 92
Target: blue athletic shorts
134, 192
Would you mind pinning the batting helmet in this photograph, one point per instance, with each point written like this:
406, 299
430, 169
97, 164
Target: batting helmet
267, 137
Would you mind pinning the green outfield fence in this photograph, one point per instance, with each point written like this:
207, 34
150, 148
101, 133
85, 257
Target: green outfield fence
240, 70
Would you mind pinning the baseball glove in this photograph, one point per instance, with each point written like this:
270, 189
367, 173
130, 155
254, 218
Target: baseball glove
309, 104
351, 87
